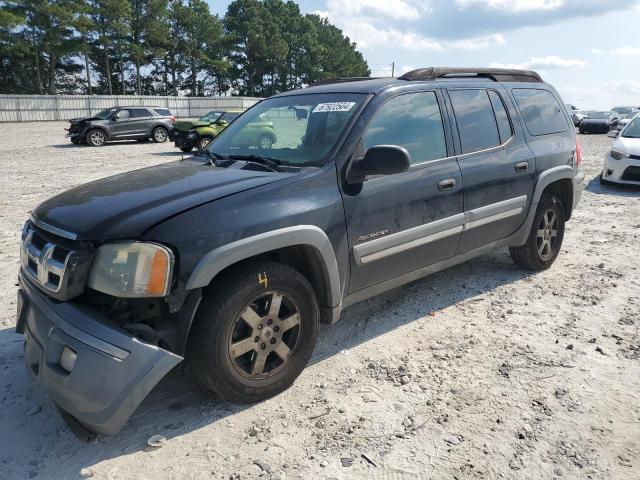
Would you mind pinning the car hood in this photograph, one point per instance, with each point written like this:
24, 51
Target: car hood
126, 205
190, 125
627, 145
82, 119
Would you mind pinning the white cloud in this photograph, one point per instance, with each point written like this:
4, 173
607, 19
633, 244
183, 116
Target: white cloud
385, 70
396, 9
513, 5
544, 63
609, 95
626, 50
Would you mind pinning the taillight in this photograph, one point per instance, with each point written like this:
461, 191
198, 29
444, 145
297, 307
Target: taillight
173, 119
578, 153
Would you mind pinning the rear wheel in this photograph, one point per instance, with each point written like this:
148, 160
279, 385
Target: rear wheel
254, 332
545, 238
96, 138
160, 134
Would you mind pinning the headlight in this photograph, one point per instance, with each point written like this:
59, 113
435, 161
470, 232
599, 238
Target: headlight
616, 155
132, 270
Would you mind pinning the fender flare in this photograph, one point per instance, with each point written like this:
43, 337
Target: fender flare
545, 179
222, 257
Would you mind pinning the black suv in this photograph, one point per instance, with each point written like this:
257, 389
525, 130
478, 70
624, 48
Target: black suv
122, 123
232, 258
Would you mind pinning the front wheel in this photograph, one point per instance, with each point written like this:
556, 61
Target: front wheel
254, 332
265, 142
96, 138
545, 238
203, 143
160, 134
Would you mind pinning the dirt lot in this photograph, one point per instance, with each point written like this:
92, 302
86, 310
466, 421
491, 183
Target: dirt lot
482, 371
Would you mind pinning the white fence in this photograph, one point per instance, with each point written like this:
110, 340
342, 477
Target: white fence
33, 108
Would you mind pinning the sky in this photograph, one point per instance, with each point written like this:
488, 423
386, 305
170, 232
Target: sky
588, 49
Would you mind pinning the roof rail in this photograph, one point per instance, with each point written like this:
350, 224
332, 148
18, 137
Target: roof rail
328, 81
495, 74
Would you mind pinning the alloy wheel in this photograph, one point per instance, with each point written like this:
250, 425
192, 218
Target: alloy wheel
160, 135
97, 137
547, 235
265, 335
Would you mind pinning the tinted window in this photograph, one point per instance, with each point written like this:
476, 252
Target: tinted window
412, 121
502, 117
540, 110
165, 112
229, 116
140, 112
475, 118
123, 114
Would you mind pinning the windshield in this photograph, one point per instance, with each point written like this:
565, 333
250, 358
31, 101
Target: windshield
623, 110
105, 114
600, 115
229, 116
211, 116
633, 129
294, 130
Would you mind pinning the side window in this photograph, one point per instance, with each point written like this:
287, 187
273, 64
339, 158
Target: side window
163, 112
476, 121
502, 117
412, 121
541, 112
140, 113
123, 114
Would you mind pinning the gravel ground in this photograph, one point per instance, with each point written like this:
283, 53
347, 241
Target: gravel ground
482, 371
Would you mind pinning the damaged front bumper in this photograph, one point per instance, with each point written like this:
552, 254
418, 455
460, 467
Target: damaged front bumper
112, 373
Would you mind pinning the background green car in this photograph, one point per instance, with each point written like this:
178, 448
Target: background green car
199, 133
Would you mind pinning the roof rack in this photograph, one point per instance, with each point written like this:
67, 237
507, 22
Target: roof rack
495, 74
328, 81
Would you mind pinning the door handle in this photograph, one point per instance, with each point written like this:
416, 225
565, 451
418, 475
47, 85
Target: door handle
522, 166
447, 184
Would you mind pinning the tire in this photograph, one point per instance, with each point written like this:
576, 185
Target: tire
186, 149
265, 142
96, 138
203, 142
602, 180
531, 255
241, 298
160, 134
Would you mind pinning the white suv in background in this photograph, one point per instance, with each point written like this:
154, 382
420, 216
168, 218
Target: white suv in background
622, 162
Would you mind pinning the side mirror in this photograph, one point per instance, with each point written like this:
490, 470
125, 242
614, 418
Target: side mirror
379, 160
613, 133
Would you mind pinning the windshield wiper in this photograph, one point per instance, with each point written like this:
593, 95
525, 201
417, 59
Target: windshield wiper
269, 162
272, 163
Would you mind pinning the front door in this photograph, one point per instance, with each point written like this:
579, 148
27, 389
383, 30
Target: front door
400, 223
498, 167
120, 124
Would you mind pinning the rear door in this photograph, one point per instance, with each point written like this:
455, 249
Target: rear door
141, 121
498, 168
400, 223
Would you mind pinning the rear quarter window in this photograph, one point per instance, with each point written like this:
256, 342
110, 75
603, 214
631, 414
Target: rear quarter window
541, 112
164, 112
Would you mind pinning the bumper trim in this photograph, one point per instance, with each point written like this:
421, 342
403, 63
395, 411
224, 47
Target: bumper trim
113, 373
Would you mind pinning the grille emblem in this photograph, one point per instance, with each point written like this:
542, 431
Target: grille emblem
38, 263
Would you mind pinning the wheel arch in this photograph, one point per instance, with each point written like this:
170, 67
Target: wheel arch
304, 247
95, 127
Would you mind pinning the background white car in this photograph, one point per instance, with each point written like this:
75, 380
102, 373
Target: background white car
622, 162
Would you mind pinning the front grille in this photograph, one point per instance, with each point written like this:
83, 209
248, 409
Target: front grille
634, 157
631, 174
44, 262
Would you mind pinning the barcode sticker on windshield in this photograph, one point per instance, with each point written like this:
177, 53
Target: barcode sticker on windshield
334, 107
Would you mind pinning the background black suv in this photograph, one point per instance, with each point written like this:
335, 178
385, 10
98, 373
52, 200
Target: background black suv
122, 123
